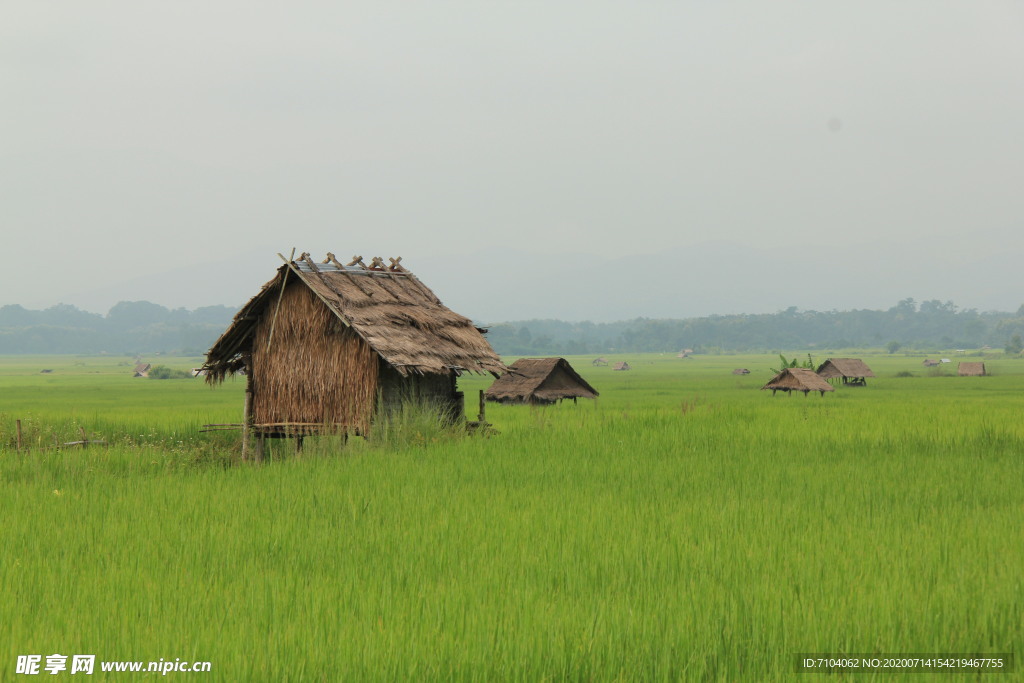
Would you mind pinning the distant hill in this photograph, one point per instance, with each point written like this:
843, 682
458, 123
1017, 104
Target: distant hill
907, 325
129, 327
132, 327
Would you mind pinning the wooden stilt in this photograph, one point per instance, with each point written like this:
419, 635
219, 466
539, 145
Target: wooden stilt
18, 423
247, 413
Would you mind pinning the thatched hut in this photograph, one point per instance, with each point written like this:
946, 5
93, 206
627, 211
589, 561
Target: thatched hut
741, 371
598, 362
798, 379
971, 370
852, 371
621, 365
142, 370
539, 381
929, 363
323, 344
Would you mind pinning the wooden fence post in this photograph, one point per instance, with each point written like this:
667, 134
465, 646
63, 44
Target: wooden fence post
18, 423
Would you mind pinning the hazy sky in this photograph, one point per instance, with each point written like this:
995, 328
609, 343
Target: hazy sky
523, 157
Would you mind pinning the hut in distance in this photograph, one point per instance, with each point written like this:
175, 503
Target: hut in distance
621, 365
539, 381
324, 346
798, 379
971, 370
853, 371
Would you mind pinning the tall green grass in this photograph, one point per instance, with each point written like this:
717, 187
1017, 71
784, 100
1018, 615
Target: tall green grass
685, 526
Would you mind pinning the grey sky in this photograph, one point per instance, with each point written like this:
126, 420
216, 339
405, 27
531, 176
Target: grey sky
520, 156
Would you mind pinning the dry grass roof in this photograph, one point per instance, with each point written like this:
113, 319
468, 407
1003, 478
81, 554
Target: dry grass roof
386, 306
798, 379
540, 379
844, 367
971, 369
621, 365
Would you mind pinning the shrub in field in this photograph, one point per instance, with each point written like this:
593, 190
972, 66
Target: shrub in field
415, 421
164, 372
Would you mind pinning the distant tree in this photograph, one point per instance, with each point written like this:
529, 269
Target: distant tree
795, 363
1015, 345
893, 346
130, 314
164, 372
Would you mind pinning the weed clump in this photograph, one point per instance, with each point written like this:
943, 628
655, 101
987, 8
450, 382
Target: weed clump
164, 372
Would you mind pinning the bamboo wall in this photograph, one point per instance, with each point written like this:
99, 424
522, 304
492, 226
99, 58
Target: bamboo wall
313, 369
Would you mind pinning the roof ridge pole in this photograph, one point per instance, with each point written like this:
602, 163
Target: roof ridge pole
344, 269
428, 294
305, 257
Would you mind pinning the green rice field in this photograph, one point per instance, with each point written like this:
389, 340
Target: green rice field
684, 526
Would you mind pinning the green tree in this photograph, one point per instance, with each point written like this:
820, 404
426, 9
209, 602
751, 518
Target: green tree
1015, 345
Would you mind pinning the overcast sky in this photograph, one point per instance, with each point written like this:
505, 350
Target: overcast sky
527, 159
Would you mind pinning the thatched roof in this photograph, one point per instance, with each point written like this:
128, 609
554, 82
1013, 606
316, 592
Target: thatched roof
543, 380
142, 369
971, 370
798, 379
844, 367
741, 371
928, 363
621, 365
386, 306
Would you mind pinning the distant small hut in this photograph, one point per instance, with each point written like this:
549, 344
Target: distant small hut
971, 370
323, 345
930, 363
622, 365
539, 381
852, 371
142, 370
685, 353
597, 362
741, 371
798, 379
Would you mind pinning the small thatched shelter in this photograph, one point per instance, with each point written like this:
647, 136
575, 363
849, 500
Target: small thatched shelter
323, 343
621, 365
539, 381
597, 362
741, 371
971, 370
852, 371
142, 370
798, 379
929, 363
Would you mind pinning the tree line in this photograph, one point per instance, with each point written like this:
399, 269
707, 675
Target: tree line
929, 325
132, 327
